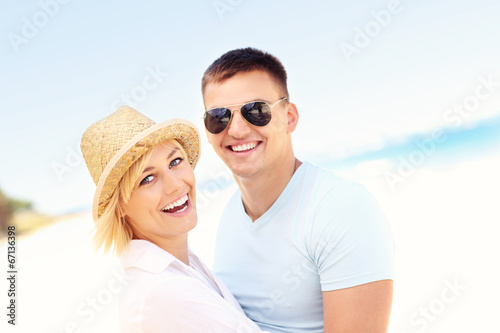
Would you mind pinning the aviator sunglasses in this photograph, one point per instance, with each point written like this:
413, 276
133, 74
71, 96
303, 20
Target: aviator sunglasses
256, 113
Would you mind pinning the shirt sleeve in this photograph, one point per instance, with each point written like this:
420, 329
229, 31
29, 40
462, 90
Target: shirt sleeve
351, 240
180, 306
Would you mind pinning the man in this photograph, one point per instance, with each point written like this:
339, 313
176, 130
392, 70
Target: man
301, 249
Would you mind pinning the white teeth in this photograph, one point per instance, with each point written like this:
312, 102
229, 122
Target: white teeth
247, 146
181, 210
177, 203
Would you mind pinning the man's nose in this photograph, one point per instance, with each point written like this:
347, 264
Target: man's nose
238, 127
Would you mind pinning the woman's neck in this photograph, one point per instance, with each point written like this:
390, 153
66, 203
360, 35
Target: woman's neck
176, 245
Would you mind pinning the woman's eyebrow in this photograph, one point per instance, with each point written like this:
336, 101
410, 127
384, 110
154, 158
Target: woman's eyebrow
168, 157
172, 152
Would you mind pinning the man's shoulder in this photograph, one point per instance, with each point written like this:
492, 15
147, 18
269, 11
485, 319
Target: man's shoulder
319, 179
328, 195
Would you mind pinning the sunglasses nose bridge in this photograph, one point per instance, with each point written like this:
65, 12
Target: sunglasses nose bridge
231, 117
237, 123
233, 111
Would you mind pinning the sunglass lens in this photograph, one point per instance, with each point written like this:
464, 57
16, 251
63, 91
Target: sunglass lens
257, 113
216, 120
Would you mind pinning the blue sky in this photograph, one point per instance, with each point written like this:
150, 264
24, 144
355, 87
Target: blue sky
67, 64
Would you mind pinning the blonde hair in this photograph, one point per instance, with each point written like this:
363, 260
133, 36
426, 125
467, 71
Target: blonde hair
112, 232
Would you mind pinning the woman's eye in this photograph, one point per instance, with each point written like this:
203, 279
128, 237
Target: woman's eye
147, 180
176, 161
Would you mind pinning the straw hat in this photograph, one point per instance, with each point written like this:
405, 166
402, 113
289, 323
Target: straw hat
113, 144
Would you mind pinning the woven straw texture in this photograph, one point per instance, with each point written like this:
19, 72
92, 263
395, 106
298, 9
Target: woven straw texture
111, 145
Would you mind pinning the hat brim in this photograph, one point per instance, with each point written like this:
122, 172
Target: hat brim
179, 129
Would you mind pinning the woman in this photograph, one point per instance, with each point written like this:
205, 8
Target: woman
144, 206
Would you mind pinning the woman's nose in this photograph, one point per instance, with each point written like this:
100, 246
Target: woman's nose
171, 182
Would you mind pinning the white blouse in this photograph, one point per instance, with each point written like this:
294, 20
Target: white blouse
162, 294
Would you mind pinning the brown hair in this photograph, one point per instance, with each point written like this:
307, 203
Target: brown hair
245, 60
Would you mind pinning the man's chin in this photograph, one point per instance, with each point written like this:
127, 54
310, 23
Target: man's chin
244, 171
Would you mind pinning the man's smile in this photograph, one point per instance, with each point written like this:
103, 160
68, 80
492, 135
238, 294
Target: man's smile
244, 147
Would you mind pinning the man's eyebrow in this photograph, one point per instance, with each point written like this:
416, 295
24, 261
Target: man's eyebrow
168, 157
249, 101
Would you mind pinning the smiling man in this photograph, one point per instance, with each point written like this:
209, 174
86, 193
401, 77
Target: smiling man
301, 249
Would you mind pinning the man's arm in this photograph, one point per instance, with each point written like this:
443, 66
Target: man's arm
361, 309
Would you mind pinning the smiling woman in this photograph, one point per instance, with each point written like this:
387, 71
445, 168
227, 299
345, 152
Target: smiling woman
144, 207
162, 205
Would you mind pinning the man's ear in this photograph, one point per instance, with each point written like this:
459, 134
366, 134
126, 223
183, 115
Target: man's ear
292, 117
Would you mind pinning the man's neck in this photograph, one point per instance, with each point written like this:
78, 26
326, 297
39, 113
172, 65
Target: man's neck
260, 192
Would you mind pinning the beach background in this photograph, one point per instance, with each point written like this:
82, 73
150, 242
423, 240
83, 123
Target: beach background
402, 96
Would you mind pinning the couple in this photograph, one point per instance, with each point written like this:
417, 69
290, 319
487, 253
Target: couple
301, 249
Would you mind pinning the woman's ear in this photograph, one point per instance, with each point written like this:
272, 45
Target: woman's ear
121, 209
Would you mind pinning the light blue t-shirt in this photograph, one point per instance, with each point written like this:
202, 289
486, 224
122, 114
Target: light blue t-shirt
323, 233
